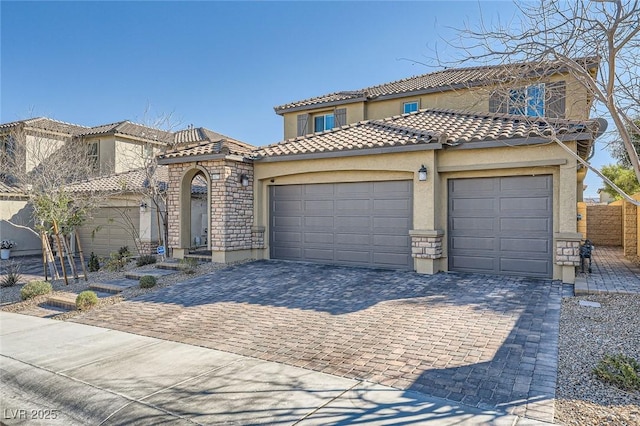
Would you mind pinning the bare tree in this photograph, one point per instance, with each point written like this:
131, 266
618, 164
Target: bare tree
549, 34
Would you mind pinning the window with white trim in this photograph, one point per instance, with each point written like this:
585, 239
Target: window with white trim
93, 153
408, 107
323, 122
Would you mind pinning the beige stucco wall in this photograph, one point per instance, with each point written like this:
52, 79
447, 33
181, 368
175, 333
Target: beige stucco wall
38, 148
16, 224
472, 99
430, 197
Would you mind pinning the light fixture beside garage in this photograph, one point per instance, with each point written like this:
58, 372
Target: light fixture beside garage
422, 173
244, 180
143, 207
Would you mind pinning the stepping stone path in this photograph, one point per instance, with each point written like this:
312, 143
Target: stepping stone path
63, 302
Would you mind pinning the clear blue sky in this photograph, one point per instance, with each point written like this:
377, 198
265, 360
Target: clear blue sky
220, 65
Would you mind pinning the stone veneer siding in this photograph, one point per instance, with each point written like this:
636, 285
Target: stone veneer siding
568, 253
426, 246
231, 204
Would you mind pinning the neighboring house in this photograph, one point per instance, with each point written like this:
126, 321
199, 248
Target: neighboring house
119, 150
433, 190
605, 197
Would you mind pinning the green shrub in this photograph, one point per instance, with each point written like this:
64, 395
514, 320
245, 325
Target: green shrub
146, 259
35, 288
86, 300
189, 265
147, 281
117, 261
619, 370
12, 275
94, 263
124, 252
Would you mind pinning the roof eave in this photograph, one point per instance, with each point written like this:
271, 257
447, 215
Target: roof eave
349, 153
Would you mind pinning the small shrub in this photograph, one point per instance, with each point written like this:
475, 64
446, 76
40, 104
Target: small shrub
12, 275
619, 370
94, 263
124, 252
146, 259
116, 261
35, 288
86, 300
147, 281
189, 265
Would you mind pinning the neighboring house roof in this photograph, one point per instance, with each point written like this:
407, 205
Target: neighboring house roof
437, 81
46, 124
198, 142
10, 190
130, 181
128, 128
429, 126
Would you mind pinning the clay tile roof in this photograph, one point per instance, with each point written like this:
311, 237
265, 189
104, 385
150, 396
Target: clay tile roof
9, 189
201, 141
422, 127
130, 129
47, 124
436, 81
130, 181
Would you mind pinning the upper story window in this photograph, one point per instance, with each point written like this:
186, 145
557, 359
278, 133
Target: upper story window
93, 153
408, 107
319, 123
536, 100
323, 122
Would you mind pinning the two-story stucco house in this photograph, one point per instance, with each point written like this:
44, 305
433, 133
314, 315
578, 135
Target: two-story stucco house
448, 171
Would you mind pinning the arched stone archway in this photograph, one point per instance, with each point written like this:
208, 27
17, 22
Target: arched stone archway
189, 235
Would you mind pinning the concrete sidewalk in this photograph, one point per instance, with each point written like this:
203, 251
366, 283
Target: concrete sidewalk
65, 373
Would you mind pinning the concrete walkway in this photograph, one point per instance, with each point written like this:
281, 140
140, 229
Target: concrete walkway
61, 373
611, 273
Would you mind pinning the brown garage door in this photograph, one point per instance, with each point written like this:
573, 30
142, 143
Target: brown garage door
359, 223
501, 225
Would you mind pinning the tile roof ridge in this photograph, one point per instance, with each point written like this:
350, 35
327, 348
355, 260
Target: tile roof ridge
43, 118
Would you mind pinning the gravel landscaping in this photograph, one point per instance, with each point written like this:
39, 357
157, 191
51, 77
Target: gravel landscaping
587, 334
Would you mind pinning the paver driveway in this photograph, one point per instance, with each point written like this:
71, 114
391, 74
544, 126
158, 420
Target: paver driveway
480, 340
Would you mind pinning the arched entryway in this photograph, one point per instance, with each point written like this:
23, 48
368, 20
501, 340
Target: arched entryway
195, 209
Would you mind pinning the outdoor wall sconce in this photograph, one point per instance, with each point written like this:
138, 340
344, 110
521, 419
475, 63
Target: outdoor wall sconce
244, 180
422, 173
143, 207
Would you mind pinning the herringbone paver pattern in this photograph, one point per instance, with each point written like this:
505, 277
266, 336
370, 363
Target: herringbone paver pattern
479, 340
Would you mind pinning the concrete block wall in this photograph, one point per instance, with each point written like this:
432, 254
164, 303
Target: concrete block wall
603, 224
630, 229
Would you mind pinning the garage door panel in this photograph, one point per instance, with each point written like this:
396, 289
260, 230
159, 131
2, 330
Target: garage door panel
530, 183
316, 254
288, 192
392, 205
319, 205
521, 241
473, 203
289, 206
286, 221
525, 224
353, 256
477, 223
524, 266
528, 246
287, 237
318, 222
350, 205
525, 204
346, 223
471, 187
318, 238
473, 263
473, 243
